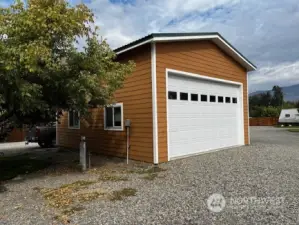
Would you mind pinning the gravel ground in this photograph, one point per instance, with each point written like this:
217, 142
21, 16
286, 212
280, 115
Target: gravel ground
269, 168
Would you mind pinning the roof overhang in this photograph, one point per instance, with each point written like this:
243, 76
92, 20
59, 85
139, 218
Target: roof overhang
171, 37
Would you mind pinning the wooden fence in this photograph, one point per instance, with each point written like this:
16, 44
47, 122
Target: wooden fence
17, 134
263, 121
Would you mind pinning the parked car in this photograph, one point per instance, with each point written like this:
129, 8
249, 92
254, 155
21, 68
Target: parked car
45, 136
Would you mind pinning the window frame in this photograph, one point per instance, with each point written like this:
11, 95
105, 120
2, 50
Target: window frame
114, 128
74, 127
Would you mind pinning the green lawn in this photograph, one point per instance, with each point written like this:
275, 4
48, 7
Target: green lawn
294, 130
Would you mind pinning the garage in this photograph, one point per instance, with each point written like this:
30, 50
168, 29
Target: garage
203, 114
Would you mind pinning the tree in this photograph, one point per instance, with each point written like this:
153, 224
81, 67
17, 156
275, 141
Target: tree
41, 70
277, 99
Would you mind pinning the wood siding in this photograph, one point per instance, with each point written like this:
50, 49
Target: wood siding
136, 96
198, 57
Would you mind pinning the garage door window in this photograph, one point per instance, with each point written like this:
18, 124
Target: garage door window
212, 98
184, 96
194, 97
172, 95
227, 99
235, 101
220, 99
113, 117
204, 98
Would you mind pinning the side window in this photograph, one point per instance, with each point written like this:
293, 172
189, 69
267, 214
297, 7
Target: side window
172, 95
235, 101
220, 99
212, 98
74, 120
194, 97
183, 96
287, 115
204, 98
113, 117
227, 99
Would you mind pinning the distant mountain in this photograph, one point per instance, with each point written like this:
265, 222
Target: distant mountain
291, 93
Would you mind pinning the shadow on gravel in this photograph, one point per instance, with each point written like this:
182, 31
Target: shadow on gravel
11, 167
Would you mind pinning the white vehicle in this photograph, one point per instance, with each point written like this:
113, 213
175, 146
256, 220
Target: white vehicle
289, 116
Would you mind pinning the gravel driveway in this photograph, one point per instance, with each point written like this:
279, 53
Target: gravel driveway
260, 184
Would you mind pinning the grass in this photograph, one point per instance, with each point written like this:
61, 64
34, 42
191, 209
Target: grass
11, 167
68, 194
294, 130
148, 170
150, 173
121, 194
150, 176
108, 177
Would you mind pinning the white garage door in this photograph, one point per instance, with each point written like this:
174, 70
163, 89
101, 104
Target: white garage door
202, 115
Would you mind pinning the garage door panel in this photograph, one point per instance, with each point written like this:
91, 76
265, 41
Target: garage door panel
196, 126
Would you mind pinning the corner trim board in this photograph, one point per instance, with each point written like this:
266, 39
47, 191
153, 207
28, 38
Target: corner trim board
154, 102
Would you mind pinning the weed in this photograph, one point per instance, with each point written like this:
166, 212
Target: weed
107, 177
125, 192
150, 176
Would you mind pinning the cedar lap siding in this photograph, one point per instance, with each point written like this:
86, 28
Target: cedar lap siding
136, 96
198, 57
202, 57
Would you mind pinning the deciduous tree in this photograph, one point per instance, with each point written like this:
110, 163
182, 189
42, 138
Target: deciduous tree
42, 71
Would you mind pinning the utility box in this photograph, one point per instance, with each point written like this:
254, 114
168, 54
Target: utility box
127, 123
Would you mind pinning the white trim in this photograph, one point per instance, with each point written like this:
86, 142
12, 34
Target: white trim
187, 74
134, 46
121, 128
73, 128
249, 141
154, 102
194, 75
242, 129
196, 37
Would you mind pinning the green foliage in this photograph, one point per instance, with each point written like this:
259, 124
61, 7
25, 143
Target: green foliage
41, 70
277, 99
270, 111
267, 104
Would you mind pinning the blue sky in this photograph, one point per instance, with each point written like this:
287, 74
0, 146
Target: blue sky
266, 32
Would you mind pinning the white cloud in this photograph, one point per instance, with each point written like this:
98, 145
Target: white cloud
266, 31
285, 74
